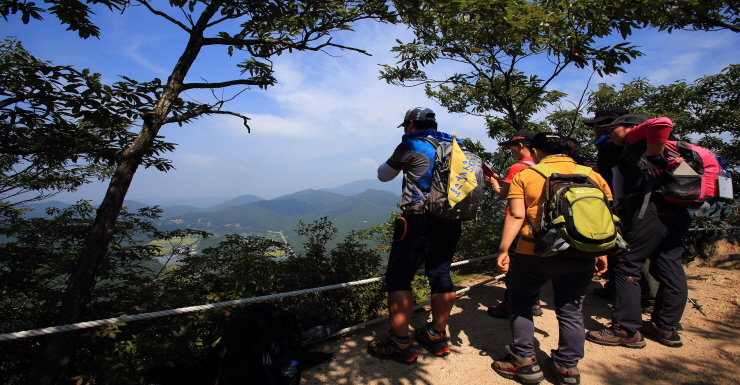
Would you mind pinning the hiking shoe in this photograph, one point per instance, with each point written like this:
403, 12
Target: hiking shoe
502, 311
499, 311
536, 309
665, 337
511, 366
390, 349
437, 344
647, 305
566, 376
616, 336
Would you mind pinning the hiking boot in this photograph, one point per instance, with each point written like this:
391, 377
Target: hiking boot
437, 344
616, 336
665, 337
511, 366
501, 310
566, 376
536, 309
390, 349
647, 305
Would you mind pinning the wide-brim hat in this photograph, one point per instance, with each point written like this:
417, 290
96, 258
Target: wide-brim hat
633, 119
605, 114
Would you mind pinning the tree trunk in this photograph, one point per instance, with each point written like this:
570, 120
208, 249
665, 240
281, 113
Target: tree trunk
59, 350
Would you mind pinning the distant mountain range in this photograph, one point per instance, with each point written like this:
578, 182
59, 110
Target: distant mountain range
352, 206
355, 212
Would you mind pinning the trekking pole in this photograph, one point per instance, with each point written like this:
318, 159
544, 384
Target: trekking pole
696, 305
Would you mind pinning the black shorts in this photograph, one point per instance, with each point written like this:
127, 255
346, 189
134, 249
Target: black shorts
421, 239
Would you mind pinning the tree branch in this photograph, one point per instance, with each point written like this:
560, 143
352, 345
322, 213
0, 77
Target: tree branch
166, 16
205, 109
243, 82
277, 42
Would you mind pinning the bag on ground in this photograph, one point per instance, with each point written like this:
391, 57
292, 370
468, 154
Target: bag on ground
261, 346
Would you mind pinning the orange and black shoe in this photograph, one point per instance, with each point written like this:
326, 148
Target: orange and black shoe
390, 349
437, 344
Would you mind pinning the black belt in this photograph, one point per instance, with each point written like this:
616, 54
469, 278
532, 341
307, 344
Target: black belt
412, 212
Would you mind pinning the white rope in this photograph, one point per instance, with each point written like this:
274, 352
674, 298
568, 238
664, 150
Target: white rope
191, 309
385, 317
715, 228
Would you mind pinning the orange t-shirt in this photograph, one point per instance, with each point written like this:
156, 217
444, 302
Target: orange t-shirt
528, 185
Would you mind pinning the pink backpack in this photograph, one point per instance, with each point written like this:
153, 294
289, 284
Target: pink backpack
691, 191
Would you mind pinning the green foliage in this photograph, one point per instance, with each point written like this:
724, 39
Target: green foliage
707, 109
62, 127
488, 43
694, 15
40, 253
37, 257
73, 13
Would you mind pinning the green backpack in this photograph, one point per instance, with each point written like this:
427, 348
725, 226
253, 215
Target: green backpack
577, 220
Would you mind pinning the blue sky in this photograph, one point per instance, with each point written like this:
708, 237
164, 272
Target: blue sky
329, 120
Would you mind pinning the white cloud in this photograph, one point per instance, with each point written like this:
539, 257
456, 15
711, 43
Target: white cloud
132, 51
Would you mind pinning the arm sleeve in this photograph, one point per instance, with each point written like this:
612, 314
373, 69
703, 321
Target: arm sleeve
656, 130
602, 184
516, 189
386, 173
618, 183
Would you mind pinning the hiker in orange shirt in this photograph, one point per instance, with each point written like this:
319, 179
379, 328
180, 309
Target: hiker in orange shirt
528, 272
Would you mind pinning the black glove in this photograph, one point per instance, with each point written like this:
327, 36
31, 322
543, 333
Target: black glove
658, 161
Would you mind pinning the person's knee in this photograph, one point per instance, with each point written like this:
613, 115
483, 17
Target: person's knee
440, 282
397, 281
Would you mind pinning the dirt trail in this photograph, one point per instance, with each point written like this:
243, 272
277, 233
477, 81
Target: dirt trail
710, 355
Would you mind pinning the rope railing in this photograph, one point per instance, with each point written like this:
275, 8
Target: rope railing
197, 308
716, 229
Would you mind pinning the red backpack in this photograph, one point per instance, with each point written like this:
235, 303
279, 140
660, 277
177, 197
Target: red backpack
692, 191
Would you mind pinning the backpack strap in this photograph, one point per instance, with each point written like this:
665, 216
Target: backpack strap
545, 170
584, 170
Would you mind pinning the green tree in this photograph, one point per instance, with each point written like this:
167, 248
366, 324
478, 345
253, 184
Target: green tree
73, 13
38, 256
693, 15
261, 31
487, 44
705, 110
61, 127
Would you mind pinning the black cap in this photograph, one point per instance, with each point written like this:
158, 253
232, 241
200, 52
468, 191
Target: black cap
606, 113
629, 119
419, 113
519, 137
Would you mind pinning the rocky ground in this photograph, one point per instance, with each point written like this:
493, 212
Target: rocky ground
710, 355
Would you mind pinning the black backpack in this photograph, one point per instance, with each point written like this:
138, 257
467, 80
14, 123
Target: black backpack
261, 346
256, 348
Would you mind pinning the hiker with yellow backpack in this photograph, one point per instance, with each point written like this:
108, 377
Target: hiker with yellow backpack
560, 211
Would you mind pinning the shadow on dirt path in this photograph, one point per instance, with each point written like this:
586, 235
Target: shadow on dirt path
710, 355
